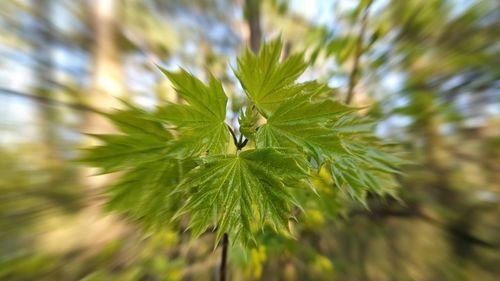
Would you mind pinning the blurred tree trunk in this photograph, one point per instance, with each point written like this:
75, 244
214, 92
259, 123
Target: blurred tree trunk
106, 86
252, 16
44, 72
52, 144
107, 79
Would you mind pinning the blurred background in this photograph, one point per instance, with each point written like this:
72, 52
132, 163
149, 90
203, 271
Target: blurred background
429, 70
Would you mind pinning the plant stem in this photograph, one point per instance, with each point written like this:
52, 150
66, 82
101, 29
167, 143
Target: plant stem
238, 143
223, 262
232, 134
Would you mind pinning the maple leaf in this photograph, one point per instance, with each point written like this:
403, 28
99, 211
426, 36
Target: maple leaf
141, 151
266, 80
233, 192
303, 116
200, 123
141, 139
175, 161
144, 193
299, 123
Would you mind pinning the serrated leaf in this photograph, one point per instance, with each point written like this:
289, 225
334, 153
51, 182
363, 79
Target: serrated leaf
234, 192
143, 194
135, 121
367, 168
267, 81
305, 118
240, 194
200, 123
358, 177
142, 140
300, 123
150, 172
351, 124
248, 122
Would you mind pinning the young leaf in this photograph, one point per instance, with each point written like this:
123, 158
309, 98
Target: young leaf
141, 151
367, 167
234, 192
200, 123
143, 193
299, 123
303, 117
141, 140
167, 172
266, 81
248, 122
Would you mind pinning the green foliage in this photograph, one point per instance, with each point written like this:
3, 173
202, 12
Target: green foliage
266, 81
142, 141
248, 121
178, 160
150, 170
200, 123
251, 188
300, 123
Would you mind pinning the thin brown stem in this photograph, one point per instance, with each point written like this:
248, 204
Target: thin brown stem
235, 140
353, 77
223, 262
239, 143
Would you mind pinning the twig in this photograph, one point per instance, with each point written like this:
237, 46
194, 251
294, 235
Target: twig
239, 143
223, 262
232, 134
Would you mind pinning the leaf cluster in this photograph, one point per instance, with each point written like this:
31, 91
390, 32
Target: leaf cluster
184, 159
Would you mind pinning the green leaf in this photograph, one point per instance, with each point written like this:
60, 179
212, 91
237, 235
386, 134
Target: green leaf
301, 123
137, 122
352, 125
142, 140
141, 151
200, 123
143, 194
304, 118
234, 193
174, 162
268, 82
248, 122
367, 168
357, 177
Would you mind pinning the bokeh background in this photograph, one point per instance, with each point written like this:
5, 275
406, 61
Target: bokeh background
429, 70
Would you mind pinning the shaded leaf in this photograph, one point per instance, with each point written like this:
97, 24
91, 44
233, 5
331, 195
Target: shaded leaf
143, 194
141, 140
